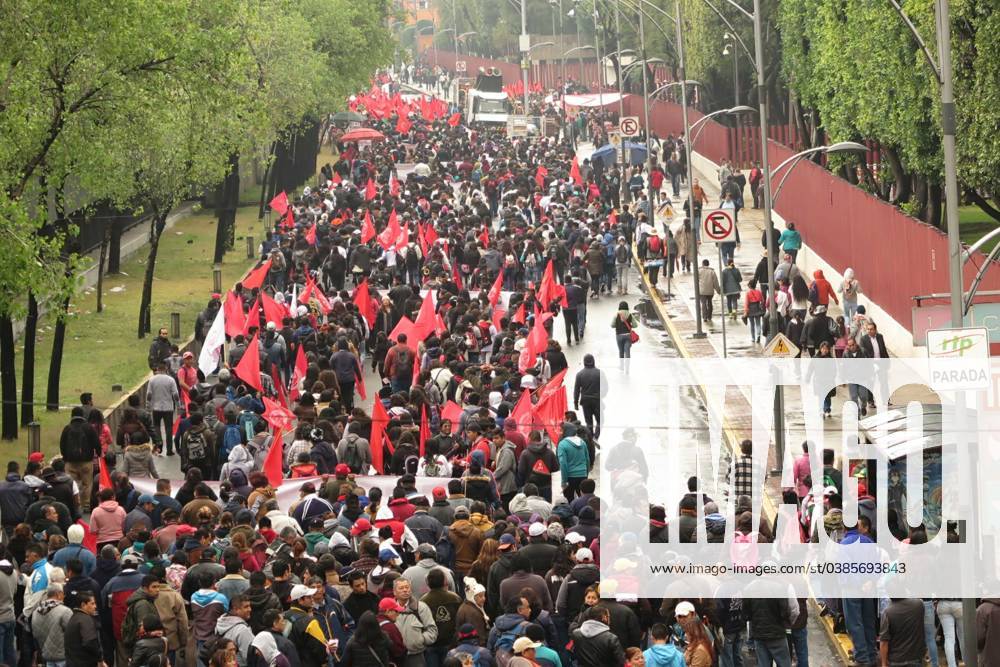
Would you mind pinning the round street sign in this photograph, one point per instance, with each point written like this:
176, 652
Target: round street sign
629, 126
718, 227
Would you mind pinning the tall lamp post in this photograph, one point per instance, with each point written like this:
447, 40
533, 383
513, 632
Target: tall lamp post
530, 49
731, 48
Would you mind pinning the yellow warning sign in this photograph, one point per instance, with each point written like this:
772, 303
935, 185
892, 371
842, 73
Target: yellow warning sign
781, 347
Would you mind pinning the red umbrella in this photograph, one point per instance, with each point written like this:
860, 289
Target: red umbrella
362, 134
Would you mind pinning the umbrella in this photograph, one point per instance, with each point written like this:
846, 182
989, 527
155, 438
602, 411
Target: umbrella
344, 118
606, 153
363, 134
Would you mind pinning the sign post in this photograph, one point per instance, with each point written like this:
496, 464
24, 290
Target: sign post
629, 126
718, 227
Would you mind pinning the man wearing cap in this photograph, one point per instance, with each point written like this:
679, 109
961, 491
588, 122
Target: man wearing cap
415, 623
470, 643
574, 587
524, 652
388, 614
306, 632
539, 551
441, 509
142, 514
75, 550
417, 574
163, 398
115, 596
187, 374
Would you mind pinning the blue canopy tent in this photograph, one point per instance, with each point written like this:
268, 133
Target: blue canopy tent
634, 153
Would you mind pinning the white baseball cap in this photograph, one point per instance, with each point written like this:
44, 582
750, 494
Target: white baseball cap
300, 591
683, 609
536, 529
584, 555
575, 538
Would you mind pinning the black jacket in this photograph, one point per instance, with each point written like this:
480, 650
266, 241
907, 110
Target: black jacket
588, 383
15, 497
79, 442
541, 556
594, 645
816, 331
768, 617
624, 623
866, 345
355, 654
534, 453
81, 634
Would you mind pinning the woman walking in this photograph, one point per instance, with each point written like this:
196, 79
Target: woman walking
624, 325
753, 312
731, 279
849, 290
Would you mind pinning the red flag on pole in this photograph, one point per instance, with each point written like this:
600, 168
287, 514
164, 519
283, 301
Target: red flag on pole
451, 411
393, 185
234, 317
574, 172
299, 373
368, 228
280, 203
248, 369
370, 190
549, 290
288, 222
359, 383
380, 419
273, 312
455, 119
426, 320
277, 415
494, 293
484, 236
430, 234
425, 430
367, 306
421, 239
105, 479
311, 235
403, 238
403, 124
272, 462
522, 413
256, 277
520, 315
390, 234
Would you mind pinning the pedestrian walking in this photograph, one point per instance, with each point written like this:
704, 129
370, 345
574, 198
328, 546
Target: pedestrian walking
624, 325
849, 289
731, 287
708, 287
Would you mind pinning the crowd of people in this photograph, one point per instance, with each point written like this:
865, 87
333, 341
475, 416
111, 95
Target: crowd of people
456, 520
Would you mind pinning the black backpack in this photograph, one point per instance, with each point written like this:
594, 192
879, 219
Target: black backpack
404, 363
76, 445
197, 447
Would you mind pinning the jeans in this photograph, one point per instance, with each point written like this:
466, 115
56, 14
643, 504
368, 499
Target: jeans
850, 307
732, 301
859, 395
55, 663
929, 634
861, 619
622, 270
794, 252
8, 656
800, 646
728, 251
756, 328
592, 414
624, 341
827, 402
581, 316
706, 307
675, 182
772, 651
401, 384
950, 614
731, 654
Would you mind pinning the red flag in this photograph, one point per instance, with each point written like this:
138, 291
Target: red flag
312, 291
455, 119
336, 178
288, 222
253, 317
403, 124
367, 306
451, 411
520, 315
405, 325
370, 190
234, 317
299, 373
256, 277
248, 369
494, 293
272, 311
380, 419
484, 236
421, 239
390, 234
498, 314
574, 172
538, 340
277, 415
393, 185
613, 218
279, 386
105, 478
311, 235
425, 430
280, 203
368, 228
430, 234
403, 238
549, 290
359, 383
540, 175
272, 462
456, 275
522, 412
551, 412
554, 384
426, 320
177, 423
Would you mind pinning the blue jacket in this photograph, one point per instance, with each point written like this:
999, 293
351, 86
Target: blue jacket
663, 655
574, 459
790, 239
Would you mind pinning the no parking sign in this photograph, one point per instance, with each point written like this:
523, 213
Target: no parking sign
718, 227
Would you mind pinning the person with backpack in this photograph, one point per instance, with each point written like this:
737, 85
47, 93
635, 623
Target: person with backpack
509, 627
821, 291
753, 312
79, 445
537, 465
470, 643
654, 257
623, 261
399, 365
354, 451
231, 437
140, 604
197, 446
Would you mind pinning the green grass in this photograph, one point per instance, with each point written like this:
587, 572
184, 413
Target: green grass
102, 348
974, 224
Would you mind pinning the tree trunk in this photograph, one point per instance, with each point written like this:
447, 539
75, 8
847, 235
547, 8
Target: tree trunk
8, 380
146, 303
870, 181
105, 241
920, 196
115, 246
226, 209
899, 175
982, 203
932, 215
28, 362
263, 187
55, 363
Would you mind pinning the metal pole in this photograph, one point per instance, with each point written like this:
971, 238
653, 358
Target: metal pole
772, 310
525, 55
699, 332
722, 305
579, 53
597, 46
645, 117
736, 75
454, 15
623, 186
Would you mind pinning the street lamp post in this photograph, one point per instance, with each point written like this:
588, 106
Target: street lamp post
731, 46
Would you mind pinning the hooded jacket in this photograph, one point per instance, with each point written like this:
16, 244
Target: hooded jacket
48, 623
417, 576
467, 541
587, 385
15, 498
138, 461
261, 599
207, 606
594, 645
106, 521
506, 468
574, 588
525, 506
506, 623
236, 629
416, 625
537, 464
824, 290
574, 459
988, 631
663, 655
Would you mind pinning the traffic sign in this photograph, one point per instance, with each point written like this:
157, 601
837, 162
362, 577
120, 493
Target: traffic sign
718, 227
629, 126
459, 65
781, 347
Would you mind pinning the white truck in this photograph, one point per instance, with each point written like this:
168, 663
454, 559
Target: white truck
485, 101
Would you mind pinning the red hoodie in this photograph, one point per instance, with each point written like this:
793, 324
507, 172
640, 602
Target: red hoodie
824, 290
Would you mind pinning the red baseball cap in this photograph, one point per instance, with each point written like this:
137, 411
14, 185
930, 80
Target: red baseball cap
390, 604
439, 493
361, 526
36, 457
342, 469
